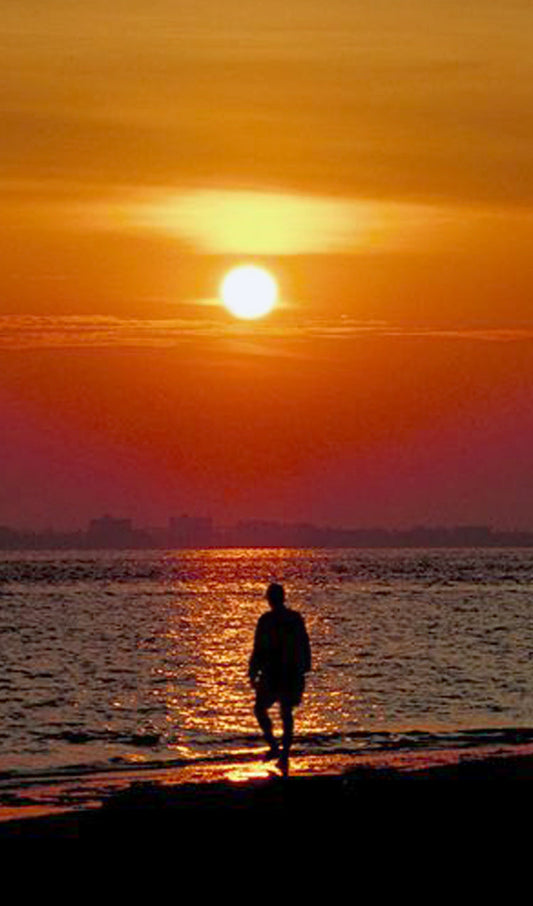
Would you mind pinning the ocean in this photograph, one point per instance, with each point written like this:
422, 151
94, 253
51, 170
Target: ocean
120, 661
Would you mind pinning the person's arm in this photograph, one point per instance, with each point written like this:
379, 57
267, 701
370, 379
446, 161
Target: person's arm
254, 665
306, 647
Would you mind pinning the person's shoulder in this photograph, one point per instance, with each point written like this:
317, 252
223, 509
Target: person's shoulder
295, 615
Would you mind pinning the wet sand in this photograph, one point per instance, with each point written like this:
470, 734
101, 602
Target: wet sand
483, 789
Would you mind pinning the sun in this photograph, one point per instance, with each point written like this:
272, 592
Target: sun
249, 291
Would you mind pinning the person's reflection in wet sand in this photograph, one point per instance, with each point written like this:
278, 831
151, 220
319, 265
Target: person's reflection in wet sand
280, 659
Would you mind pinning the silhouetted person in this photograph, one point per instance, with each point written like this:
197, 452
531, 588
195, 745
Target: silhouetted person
280, 659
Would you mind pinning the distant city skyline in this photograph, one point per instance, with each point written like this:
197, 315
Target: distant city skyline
111, 532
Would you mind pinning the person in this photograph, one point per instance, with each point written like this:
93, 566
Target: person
280, 659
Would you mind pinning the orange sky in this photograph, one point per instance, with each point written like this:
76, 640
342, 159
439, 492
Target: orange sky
377, 158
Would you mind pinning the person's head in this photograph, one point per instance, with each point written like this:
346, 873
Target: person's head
275, 595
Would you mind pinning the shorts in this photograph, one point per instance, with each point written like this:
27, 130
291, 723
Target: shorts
285, 690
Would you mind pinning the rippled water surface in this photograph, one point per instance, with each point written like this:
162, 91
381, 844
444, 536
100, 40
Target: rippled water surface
141, 657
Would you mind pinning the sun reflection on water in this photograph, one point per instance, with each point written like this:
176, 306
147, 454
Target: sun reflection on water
212, 632
142, 657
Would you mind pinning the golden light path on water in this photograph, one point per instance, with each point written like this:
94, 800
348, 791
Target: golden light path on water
136, 663
139, 659
216, 639
375, 645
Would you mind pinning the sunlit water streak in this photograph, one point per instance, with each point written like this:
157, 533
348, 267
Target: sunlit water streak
140, 658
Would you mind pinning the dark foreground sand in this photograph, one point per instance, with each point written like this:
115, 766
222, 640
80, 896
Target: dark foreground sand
481, 793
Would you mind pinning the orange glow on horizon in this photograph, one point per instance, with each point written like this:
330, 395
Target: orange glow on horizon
377, 165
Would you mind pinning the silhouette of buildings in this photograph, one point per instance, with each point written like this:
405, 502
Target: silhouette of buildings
109, 532
190, 531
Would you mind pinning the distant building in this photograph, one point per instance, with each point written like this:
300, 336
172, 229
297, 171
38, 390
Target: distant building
190, 531
472, 535
110, 532
9, 538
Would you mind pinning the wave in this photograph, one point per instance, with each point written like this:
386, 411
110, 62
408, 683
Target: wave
244, 747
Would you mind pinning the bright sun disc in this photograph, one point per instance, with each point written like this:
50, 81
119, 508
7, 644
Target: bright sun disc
248, 291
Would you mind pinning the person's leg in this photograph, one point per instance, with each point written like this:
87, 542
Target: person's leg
262, 703
288, 724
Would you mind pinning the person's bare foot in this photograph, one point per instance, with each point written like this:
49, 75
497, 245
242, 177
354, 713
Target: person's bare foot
272, 753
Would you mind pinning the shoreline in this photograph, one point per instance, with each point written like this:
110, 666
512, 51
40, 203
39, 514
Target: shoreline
159, 803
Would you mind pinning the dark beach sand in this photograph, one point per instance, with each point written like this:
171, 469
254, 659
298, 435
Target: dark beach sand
484, 790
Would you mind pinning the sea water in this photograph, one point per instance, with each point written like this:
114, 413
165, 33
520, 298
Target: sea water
118, 659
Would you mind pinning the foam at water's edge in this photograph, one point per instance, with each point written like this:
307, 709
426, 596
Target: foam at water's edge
245, 749
80, 793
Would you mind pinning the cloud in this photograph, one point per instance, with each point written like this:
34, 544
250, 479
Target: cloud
27, 332
224, 221
418, 101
